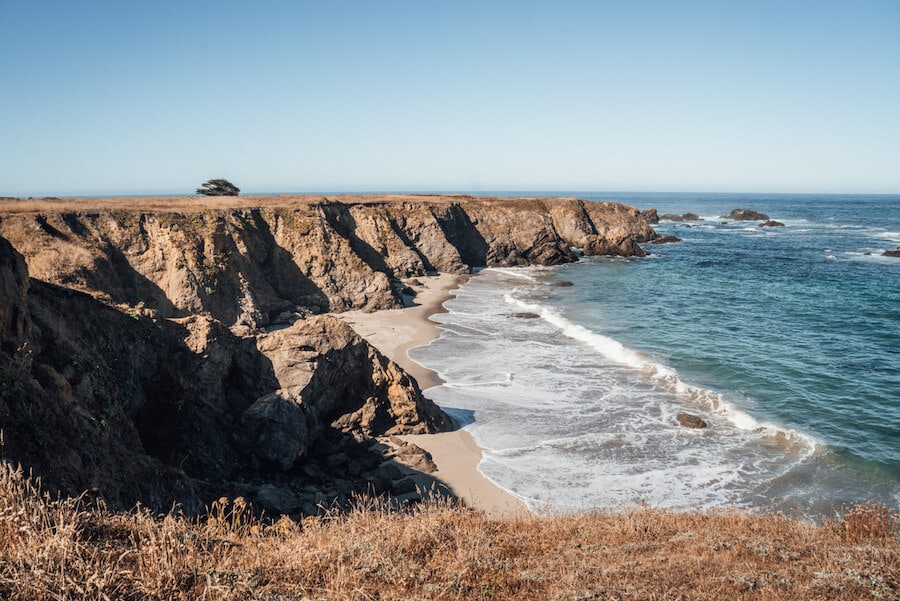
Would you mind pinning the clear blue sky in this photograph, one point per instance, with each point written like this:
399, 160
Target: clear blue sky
155, 97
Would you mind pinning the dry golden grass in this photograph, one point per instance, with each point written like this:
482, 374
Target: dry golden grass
64, 549
192, 204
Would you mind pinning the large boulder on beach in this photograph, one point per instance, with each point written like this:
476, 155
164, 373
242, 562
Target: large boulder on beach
746, 215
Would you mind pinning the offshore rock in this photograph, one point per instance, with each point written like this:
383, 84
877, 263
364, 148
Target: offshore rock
690, 421
891, 253
683, 217
771, 223
666, 240
650, 215
746, 215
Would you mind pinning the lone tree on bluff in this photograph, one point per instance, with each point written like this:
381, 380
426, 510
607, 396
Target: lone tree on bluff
218, 187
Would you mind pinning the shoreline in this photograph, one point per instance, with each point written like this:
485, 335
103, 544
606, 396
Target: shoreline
456, 454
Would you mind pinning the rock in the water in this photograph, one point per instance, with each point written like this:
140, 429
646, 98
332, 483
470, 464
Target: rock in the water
525, 315
771, 223
650, 215
891, 253
563, 283
666, 240
690, 421
683, 217
746, 215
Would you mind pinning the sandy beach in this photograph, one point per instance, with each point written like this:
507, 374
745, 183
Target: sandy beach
456, 454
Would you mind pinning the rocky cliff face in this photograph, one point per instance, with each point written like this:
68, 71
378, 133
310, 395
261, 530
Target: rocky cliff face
178, 356
156, 410
250, 267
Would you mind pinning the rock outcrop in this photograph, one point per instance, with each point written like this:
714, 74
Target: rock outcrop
891, 253
746, 215
176, 355
650, 215
246, 266
771, 223
182, 410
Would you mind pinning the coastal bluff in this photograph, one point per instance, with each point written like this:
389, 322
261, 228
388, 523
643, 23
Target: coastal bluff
174, 350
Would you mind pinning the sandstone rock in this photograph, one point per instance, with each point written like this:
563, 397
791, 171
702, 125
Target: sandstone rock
346, 381
771, 223
412, 455
666, 240
690, 421
746, 215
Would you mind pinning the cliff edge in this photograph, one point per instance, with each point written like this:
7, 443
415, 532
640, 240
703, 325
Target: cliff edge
178, 356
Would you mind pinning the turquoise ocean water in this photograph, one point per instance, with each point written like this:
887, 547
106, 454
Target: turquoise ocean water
785, 340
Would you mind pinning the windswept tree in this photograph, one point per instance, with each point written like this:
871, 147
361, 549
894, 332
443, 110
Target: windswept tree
218, 187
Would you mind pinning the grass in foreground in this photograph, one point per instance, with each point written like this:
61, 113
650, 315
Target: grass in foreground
63, 549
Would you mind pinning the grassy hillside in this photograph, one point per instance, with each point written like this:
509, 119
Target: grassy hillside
73, 549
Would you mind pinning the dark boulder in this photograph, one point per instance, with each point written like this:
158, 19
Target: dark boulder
690, 421
891, 253
563, 283
771, 223
666, 240
650, 215
746, 215
682, 217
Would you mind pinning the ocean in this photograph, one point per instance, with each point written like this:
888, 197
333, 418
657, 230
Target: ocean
785, 340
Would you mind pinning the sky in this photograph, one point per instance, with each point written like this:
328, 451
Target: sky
117, 98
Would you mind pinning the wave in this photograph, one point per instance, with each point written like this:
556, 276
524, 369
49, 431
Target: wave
668, 379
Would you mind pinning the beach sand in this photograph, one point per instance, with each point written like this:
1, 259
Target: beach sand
394, 332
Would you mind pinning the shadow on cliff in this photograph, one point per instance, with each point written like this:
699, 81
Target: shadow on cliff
121, 406
338, 216
286, 278
461, 233
125, 284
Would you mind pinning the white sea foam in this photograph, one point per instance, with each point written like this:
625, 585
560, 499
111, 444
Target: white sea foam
662, 375
572, 419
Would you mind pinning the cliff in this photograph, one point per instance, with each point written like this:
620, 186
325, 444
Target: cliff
251, 265
180, 355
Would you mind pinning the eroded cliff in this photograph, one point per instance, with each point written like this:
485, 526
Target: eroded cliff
175, 355
252, 266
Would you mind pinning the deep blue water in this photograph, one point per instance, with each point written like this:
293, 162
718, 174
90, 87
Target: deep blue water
785, 340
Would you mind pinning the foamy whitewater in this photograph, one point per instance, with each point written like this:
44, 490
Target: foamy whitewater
786, 341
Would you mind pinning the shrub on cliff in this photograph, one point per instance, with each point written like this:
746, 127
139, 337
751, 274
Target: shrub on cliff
218, 187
